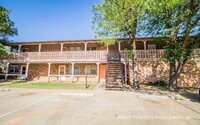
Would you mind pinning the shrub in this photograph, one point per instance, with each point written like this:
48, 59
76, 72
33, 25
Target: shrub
159, 83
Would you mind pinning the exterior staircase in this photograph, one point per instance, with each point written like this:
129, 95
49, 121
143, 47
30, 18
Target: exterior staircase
114, 74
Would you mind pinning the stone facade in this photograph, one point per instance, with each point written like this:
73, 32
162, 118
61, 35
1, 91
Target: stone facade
31, 48
153, 71
40, 72
57, 47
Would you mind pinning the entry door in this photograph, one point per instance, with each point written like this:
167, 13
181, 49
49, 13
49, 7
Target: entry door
23, 70
113, 53
61, 70
102, 71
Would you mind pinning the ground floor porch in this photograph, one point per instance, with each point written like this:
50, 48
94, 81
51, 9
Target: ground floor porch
72, 72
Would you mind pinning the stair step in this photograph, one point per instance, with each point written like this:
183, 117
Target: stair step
114, 73
113, 86
114, 77
114, 68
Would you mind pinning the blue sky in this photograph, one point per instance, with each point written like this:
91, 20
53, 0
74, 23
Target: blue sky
39, 20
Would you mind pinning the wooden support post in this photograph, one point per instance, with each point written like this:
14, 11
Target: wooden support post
119, 46
27, 66
61, 47
107, 48
49, 71
39, 49
145, 46
98, 72
85, 46
7, 68
125, 73
72, 71
19, 49
86, 49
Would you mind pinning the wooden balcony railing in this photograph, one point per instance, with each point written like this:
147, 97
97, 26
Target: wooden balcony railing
59, 56
154, 55
142, 55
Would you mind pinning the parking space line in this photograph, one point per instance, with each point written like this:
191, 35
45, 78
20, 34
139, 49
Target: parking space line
21, 108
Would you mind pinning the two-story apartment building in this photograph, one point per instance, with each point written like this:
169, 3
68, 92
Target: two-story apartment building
71, 60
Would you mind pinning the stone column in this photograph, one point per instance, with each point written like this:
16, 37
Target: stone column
49, 71
7, 68
19, 49
27, 66
98, 72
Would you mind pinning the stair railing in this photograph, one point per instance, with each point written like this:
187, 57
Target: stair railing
121, 70
107, 69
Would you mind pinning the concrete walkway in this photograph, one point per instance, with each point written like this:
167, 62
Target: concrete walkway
99, 107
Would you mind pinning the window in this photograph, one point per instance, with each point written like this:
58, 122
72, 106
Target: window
76, 70
14, 50
69, 69
91, 48
25, 49
91, 69
78, 48
87, 69
75, 48
72, 48
14, 69
150, 47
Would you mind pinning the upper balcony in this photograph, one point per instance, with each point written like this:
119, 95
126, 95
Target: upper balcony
68, 56
154, 55
89, 56
58, 51
86, 51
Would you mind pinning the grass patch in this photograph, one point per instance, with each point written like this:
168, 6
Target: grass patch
49, 85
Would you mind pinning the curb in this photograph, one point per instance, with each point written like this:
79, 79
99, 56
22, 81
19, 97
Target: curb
77, 94
4, 89
152, 96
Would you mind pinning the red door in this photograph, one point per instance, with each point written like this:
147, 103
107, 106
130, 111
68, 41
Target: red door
102, 71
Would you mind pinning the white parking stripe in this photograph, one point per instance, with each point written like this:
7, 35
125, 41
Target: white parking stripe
21, 108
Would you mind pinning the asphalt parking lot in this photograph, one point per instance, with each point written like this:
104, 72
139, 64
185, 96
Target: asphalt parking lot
100, 107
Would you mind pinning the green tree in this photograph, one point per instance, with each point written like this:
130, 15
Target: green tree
118, 19
7, 29
176, 20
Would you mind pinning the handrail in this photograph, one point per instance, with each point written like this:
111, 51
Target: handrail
60, 56
154, 55
141, 55
107, 69
121, 70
